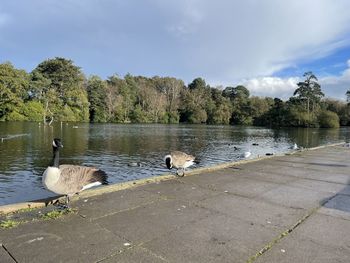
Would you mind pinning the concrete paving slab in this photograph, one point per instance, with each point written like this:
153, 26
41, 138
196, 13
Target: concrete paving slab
295, 197
274, 166
4, 256
339, 202
207, 179
216, 239
321, 186
331, 177
328, 160
338, 206
92, 207
334, 212
136, 255
243, 186
254, 211
179, 189
326, 230
266, 176
339, 175
70, 239
148, 222
316, 158
295, 249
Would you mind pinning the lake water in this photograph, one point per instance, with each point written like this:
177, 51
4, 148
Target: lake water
25, 150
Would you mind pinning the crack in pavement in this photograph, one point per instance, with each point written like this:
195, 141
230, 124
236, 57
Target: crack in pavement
285, 233
8, 252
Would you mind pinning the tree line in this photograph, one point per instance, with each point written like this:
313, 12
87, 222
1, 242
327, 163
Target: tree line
57, 90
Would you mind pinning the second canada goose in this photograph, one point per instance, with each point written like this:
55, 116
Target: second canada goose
70, 179
179, 160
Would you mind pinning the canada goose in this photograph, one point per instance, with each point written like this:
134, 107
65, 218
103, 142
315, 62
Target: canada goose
179, 160
70, 179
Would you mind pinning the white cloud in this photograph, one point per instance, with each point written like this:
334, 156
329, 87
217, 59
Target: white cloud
334, 86
272, 86
240, 39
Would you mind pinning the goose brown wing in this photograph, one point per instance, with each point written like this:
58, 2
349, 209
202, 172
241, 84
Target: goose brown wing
180, 158
74, 177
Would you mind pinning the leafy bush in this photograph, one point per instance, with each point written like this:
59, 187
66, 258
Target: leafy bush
172, 117
328, 119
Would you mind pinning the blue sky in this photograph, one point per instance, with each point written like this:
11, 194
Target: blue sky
264, 44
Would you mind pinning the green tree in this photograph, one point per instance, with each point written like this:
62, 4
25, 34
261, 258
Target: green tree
33, 110
96, 90
259, 108
297, 116
65, 96
196, 102
152, 101
115, 112
41, 91
241, 110
220, 110
276, 116
344, 113
344, 116
14, 84
172, 89
348, 96
309, 92
197, 83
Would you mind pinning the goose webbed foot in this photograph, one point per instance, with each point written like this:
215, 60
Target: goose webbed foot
62, 205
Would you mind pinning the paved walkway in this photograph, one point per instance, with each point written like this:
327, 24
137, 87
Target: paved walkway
293, 208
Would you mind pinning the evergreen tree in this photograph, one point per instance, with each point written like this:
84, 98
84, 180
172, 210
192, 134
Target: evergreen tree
241, 110
97, 91
309, 93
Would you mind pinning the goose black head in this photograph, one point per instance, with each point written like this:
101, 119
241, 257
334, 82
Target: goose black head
168, 162
56, 143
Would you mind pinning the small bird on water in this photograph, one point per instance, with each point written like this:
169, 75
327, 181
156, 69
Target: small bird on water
294, 147
69, 180
180, 161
